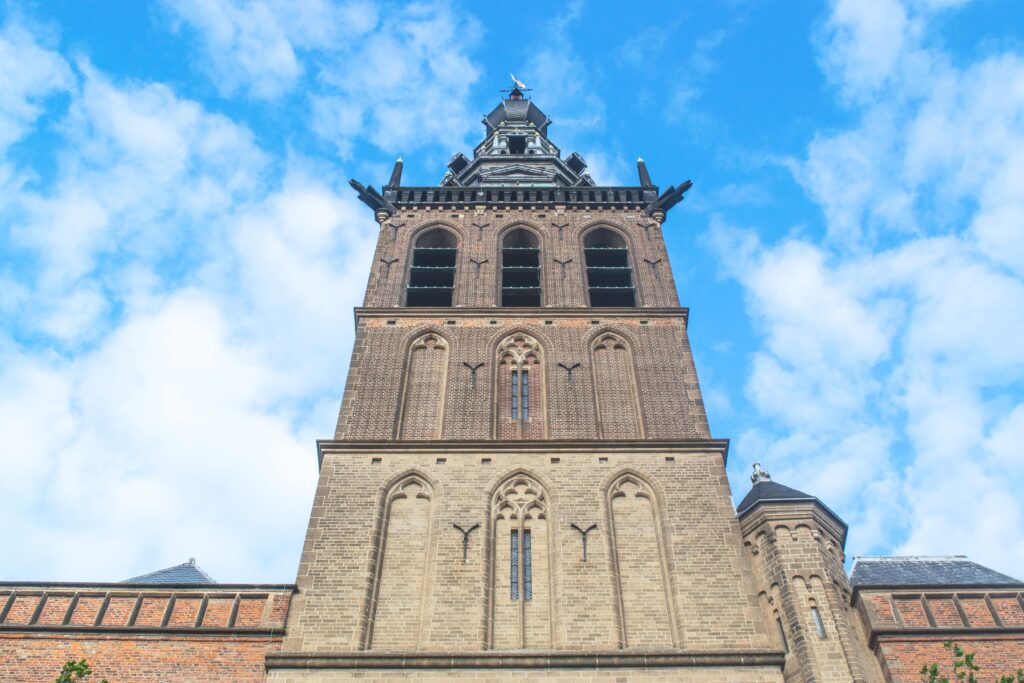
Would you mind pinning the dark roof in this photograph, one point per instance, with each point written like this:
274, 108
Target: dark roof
517, 110
924, 571
768, 490
182, 573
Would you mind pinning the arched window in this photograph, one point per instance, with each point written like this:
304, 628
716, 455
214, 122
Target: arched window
520, 394
645, 596
520, 269
521, 589
400, 579
424, 387
609, 275
618, 410
432, 275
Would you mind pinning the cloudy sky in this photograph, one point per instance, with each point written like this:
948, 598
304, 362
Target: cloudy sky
180, 253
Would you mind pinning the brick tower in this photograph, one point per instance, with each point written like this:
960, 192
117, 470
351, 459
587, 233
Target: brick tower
522, 477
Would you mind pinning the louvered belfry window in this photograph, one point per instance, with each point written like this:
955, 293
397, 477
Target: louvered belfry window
520, 269
432, 275
609, 274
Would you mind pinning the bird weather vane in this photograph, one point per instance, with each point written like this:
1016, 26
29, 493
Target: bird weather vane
517, 85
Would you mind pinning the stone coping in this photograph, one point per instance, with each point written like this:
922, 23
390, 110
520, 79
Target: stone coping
346, 447
533, 313
546, 659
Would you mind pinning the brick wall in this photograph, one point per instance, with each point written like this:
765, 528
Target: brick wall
907, 627
130, 633
665, 387
561, 286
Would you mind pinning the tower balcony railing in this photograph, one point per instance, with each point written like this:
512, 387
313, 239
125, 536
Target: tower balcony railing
619, 197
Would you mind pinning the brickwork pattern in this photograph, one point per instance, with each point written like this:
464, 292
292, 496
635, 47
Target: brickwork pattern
615, 387
640, 567
666, 387
797, 557
425, 381
904, 657
165, 634
136, 658
702, 548
623, 675
562, 285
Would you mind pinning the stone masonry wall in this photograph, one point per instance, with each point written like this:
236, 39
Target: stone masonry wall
710, 585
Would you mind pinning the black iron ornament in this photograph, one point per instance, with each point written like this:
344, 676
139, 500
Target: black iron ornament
568, 370
561, 228
480, 230
472, 373
465, 537
584, 534
563, 264
387, 266
654, 265
394, 230
477, 264
647, 228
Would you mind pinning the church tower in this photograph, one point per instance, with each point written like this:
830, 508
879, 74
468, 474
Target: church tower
522, 476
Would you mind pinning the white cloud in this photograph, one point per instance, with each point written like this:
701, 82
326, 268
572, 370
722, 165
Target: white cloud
399, 79
901, 325
29, 73
168, 361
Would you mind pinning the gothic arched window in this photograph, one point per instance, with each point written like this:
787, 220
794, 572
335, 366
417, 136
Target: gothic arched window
520, 269
618, 411
432, 274
609, 274
521, 590
520, 393
424, 387
397, 597
647, 619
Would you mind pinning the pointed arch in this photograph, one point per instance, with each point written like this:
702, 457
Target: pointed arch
520, 254
610, 269
424, 386
616, 397
522, 557
520, 396
400, 566
643, 575
433, 257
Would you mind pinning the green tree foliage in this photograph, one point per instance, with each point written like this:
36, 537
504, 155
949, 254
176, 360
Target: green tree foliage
73, 671
964, 668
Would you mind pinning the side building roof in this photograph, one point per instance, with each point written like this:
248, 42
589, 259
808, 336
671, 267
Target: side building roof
189, 572
922, 572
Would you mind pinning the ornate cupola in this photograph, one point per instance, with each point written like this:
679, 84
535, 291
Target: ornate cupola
517, 152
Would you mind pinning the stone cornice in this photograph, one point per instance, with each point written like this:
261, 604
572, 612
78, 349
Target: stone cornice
618, 659
336, 447
455, 312
782, 511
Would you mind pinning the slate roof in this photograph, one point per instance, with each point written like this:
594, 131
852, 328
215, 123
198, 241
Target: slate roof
188, 572
517, 110
897, 572
768, 490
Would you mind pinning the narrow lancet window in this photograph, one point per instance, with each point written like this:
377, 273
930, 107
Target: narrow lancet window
432, 275
519, 367
520, 269
609, 275
819, 625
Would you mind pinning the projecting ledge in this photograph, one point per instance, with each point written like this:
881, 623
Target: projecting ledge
659, 446
524, 660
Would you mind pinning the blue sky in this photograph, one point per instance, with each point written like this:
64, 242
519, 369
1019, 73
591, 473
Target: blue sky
180, 252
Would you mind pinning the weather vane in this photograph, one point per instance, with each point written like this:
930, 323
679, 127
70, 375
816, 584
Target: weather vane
517, 89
